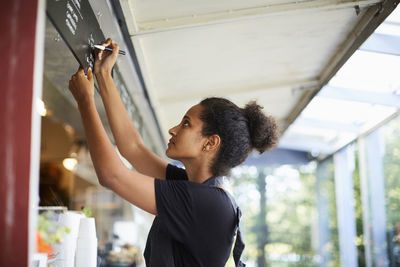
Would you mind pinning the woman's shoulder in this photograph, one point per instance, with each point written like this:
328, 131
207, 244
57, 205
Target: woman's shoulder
175, 173
212, 197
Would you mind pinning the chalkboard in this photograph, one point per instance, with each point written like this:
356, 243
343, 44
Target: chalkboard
78, 26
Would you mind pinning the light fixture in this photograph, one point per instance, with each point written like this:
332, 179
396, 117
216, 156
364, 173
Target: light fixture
40, 107
70, 163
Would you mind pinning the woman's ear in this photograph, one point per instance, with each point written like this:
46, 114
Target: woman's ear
213, 143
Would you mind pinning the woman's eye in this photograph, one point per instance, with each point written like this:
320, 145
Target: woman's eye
185, 123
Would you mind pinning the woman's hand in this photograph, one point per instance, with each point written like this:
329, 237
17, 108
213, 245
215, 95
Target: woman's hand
105, 60
82, 86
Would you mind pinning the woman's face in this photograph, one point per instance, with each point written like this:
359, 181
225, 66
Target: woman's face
186, 139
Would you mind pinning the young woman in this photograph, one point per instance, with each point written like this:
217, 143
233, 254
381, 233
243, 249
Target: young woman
196, 219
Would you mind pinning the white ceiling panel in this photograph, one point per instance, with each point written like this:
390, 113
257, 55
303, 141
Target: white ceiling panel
146, 11
154, 15
245, 57
276, 52
248, 54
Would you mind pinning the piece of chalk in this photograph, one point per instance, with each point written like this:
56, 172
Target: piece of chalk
101, 47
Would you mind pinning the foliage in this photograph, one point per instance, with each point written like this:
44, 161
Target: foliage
391, 163
359, 214
87, 211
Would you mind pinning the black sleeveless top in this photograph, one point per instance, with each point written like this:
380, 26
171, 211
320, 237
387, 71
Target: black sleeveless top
196, 223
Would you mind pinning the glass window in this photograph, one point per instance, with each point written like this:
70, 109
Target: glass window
280, 211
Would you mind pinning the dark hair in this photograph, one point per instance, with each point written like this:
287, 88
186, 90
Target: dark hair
240, 130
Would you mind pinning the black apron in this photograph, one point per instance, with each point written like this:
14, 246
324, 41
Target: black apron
239, 244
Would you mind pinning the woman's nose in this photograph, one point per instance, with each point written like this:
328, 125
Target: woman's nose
172, 131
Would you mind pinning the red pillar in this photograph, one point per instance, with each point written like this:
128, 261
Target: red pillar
18, 19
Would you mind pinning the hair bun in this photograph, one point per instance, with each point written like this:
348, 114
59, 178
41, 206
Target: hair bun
263, 129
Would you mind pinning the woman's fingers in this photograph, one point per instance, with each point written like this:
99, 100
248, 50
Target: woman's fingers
114, 45
105, 60
81, 85
108, 42
81, 74
90, 75
115, 48
80, 71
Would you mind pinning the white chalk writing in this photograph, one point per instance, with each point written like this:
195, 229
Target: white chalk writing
72, 19
69, 17
72, 30
78, 4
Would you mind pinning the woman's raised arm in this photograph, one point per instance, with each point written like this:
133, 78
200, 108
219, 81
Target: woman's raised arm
127, 137
111, 172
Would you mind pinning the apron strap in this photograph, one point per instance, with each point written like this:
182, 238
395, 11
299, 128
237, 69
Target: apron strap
239, 244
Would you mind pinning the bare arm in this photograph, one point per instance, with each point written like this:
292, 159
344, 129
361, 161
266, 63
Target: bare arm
112, 173
127, 137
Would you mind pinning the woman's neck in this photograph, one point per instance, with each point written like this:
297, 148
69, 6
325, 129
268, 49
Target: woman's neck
198, 173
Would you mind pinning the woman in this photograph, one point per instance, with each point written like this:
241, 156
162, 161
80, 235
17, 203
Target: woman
196, 219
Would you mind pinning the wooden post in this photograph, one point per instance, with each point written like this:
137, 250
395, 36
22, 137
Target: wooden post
19, 126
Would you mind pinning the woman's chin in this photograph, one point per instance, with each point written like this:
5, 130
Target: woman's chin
171, 155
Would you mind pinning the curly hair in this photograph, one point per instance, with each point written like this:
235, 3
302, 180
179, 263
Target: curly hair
241, 130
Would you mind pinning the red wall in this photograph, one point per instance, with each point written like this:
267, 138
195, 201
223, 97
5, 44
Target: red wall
17, 46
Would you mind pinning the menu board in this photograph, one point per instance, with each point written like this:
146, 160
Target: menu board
77, 25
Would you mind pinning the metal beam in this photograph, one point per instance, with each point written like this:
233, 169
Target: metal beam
323, 124
307, 144
382, 43
365, 205
344, 165
278, 156
372, 184
347, 94
367, 131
